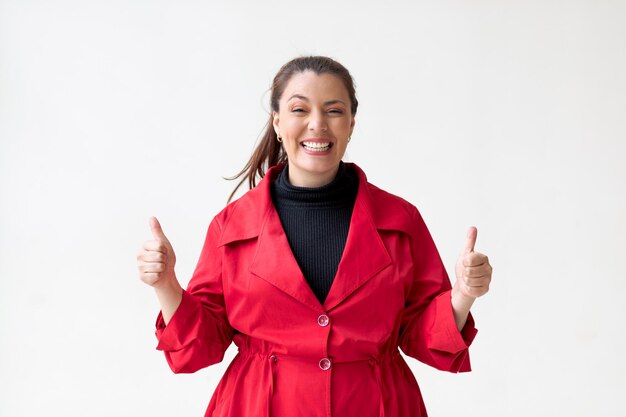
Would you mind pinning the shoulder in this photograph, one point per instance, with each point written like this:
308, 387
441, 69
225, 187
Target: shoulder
243, 218
393, 213
388, 211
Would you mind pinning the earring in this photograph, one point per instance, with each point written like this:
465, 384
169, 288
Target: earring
279, 139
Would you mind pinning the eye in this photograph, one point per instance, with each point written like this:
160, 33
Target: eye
336, 111
297, 110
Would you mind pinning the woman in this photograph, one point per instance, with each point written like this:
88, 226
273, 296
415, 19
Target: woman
315, 274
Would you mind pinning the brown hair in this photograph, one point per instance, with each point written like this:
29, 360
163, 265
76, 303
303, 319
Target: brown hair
269, 151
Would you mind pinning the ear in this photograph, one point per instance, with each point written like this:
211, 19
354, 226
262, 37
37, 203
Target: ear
275, 122
352, 125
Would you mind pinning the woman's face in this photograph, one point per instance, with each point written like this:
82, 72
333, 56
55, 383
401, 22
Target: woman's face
314, 121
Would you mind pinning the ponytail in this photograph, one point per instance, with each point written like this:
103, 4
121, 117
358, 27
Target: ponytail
269, 152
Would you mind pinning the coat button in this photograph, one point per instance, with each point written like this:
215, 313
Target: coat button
325, 364
273, 358
323, 320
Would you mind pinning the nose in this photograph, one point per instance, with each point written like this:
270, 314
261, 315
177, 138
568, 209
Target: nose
317, 122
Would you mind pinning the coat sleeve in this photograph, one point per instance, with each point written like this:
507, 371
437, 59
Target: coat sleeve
428, 331
198, 333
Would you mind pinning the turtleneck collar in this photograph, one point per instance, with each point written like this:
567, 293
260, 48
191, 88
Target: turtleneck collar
340, 192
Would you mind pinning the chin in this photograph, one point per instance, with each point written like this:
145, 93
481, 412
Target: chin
320, 166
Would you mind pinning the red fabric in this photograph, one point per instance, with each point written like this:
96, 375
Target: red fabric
391, 290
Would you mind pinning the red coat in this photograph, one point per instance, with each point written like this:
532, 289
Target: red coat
296, 356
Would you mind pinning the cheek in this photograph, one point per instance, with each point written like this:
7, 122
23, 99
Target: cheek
292, 131
292, 124
342, 145
290, 144
343, 127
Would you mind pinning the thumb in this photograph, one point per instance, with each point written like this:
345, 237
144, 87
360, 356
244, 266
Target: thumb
157, 232
470, 240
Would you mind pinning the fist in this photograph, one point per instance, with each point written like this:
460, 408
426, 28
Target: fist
473, 271
156, 258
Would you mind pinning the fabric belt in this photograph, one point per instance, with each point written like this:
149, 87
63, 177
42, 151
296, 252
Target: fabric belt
273, 358
379, 381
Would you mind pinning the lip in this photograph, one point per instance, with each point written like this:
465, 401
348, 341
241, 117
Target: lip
317, 140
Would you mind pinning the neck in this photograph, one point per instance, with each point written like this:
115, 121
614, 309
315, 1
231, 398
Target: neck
303, 179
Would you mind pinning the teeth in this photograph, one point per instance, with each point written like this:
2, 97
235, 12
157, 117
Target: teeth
316, 146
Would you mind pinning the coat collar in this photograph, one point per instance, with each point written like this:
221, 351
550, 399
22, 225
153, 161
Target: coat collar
254, 216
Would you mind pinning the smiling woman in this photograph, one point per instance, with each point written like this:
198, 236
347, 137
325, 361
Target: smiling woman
316, 100
315, 124
318, 276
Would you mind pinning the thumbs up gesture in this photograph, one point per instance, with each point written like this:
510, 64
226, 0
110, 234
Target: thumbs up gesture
473, 271
156, 258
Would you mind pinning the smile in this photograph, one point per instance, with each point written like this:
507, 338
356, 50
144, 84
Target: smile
316, 146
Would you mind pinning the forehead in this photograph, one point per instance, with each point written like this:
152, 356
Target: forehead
314, 86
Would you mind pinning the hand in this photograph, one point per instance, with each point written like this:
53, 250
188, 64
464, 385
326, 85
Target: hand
156, 259
473, 271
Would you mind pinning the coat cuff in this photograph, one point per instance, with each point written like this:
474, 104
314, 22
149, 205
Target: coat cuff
179, 331
445, 336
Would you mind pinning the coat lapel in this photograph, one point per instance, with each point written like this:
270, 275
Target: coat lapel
365, 254
254, 216
275, 263
363, 257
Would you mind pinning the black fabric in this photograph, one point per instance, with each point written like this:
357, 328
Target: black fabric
316, 222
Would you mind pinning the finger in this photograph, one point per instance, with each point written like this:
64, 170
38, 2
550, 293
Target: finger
475, 259
150, 278
476, 291
470, 240
476, 271
152, 256
154, 246
478, 282
157, 231
151, 267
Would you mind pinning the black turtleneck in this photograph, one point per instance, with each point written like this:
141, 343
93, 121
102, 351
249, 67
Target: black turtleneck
316, 221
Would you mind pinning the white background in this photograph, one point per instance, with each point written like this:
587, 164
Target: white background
507, 115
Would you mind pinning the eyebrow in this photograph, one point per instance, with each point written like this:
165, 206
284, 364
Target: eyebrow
326, 103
